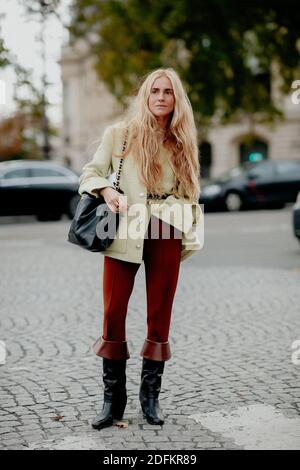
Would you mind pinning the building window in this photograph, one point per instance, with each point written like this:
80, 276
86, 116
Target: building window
253, 150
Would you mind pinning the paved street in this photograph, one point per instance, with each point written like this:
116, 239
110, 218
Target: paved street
233, 380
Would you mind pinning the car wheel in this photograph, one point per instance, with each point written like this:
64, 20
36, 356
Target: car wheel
233, 202
73, 205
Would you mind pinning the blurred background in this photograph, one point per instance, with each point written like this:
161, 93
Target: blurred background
68, 68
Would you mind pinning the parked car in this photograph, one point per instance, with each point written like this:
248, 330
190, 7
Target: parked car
296, 217
263, 184
44, 189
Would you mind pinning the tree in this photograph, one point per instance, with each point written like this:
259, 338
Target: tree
20, 132
222, 49
42, 9
4, 61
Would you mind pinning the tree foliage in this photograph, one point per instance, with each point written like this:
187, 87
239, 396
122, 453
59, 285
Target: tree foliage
21, 133
4, 53
4, 61
222, 49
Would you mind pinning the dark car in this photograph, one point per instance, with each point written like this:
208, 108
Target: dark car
45, 189
264, 184
296, 217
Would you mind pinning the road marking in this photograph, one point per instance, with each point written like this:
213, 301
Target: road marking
259, 427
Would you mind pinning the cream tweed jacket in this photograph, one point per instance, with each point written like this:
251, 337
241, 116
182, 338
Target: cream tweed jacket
179, 212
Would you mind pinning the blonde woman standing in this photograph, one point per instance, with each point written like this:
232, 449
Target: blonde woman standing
159, 211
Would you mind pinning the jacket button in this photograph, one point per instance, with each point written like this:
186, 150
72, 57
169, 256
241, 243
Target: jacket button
138, 246
141, 194
140, 219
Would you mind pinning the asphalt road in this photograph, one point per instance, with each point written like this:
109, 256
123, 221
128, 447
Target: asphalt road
261, 238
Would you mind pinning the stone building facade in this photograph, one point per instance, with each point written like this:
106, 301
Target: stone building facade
88, 107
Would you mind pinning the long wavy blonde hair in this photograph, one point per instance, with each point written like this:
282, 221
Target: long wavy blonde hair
144, 139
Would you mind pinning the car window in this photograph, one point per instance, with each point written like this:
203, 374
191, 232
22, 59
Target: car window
288, 168
46, 172
229, 174
17, 173
262, 171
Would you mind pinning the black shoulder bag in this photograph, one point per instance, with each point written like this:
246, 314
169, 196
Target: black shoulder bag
94, 225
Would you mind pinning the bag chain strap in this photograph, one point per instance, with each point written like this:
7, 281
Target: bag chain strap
117, 182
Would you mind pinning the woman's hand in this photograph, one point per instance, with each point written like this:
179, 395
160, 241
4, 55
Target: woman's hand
115, 201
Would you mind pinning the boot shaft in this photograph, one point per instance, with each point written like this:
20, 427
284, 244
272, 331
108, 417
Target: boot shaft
151, 378
114, 379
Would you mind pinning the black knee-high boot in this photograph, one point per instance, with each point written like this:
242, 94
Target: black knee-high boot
115, 395
154, 354
151, 377
115, 355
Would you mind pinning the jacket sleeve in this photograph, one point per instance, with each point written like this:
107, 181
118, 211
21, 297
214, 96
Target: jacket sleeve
94, 173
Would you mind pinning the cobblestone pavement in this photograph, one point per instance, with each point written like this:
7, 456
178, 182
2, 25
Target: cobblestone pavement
231, 339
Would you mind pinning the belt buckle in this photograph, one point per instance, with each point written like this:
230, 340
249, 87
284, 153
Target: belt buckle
156, 197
